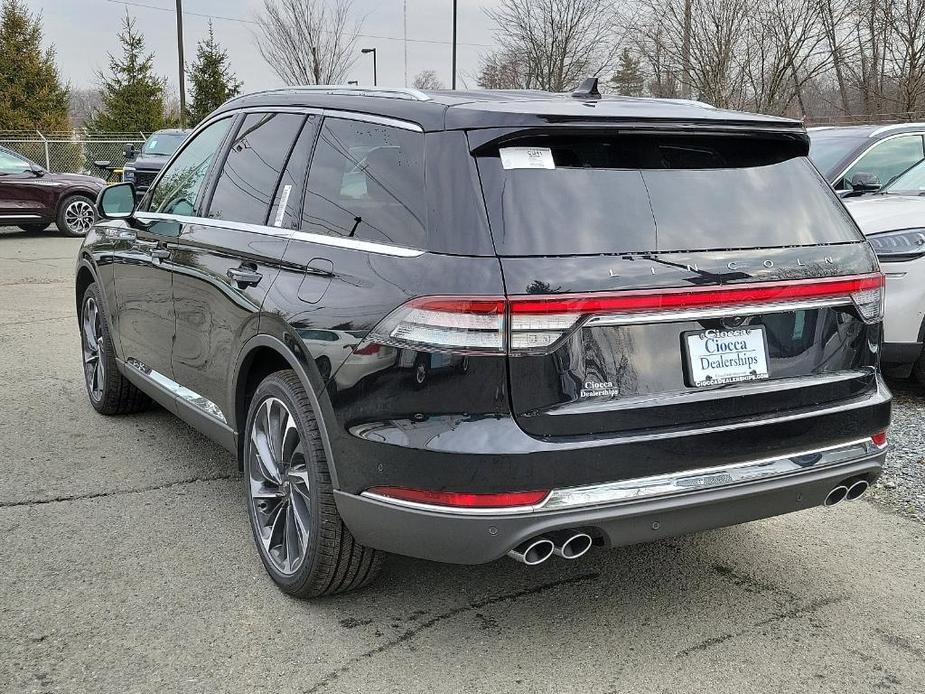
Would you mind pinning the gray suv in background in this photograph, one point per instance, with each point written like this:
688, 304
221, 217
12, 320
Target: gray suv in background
142, 166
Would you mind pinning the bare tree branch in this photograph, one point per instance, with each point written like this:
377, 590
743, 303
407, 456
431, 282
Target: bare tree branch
308, 41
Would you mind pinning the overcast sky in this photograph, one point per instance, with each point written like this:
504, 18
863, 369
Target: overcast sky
83, 31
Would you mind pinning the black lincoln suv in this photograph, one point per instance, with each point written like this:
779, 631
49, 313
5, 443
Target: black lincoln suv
465, 325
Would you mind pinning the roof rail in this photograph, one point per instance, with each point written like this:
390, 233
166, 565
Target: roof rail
895, 126
351, 90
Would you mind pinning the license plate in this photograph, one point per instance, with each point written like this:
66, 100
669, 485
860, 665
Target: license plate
715, 357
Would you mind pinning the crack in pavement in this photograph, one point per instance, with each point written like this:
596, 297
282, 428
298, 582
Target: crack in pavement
39, 320
793, 613
409, 634
117, 492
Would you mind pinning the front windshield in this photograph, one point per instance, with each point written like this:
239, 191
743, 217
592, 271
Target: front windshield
163, 144
912, 182
827, 149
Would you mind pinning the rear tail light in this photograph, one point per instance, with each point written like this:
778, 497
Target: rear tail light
449, 324
531, 323
879, 439
460, 499
368, 349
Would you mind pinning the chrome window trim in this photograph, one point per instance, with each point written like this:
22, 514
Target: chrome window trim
321, 239
719, 312
920, 133
895, 126
660, 486
191, 397
19, 216
370, 118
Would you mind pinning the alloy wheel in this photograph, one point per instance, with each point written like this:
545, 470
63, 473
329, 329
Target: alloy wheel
94, 368
79, 217
279, 487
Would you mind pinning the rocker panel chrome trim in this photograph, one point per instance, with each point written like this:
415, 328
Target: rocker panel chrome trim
193, 398
682, 482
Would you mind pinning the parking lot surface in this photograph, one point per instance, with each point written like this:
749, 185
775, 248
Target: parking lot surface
127, 566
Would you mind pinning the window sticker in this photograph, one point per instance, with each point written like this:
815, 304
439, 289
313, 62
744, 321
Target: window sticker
281, 210
526, 158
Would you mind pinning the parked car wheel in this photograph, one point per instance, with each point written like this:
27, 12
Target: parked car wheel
302, 541
76, 215
34, 228
110, 392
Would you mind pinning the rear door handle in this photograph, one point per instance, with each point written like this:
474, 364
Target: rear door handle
245, 275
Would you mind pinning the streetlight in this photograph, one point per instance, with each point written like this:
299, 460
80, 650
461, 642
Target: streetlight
453, 78
373, 51
182, 63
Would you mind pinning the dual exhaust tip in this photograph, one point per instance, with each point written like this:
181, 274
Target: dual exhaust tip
849, 490
567, 544
570, 544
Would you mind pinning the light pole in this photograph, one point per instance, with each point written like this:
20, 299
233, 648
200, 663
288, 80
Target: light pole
182, 65
373, 51
453, 79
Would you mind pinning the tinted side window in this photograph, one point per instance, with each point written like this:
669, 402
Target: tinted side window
285, 209
179, 186
253, 166
887, 160
367, 182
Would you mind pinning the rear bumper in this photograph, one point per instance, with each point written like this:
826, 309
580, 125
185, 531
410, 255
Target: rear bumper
475, 538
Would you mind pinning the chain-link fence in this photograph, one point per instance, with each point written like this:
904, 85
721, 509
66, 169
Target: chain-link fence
72, 151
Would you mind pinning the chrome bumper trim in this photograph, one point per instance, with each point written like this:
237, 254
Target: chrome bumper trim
676, 483
701, 313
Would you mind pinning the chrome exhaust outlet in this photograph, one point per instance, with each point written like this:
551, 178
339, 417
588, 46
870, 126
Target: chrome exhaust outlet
533, 552
836, 495
857, 489
570, 544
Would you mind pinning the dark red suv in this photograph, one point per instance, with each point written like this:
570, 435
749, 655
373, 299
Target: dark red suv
33, 198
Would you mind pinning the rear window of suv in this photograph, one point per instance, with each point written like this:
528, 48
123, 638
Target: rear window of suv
622, 193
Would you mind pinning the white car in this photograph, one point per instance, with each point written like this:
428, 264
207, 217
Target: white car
894, 222
332, 347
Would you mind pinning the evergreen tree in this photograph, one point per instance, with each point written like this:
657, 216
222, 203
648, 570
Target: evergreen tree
211, 81
628, 80
133, 97
31, 94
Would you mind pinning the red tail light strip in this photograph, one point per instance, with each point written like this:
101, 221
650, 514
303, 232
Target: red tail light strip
536, 324
686, 298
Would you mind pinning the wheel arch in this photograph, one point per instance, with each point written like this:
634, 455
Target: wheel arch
262, 355
85, 277
71, 192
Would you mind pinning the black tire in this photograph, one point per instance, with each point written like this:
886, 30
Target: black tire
109, 391
331, 561
918, 370
74, 217
34, 228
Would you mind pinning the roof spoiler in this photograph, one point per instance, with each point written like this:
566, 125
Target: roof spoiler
587, 89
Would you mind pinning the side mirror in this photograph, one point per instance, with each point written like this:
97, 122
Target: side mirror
116, 201
129, 151
36, 170
863, 182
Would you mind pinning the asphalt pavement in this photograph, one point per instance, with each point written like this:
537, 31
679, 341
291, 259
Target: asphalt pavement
127, 566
